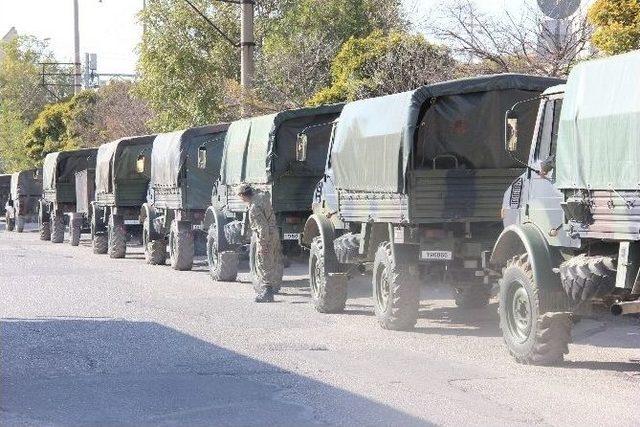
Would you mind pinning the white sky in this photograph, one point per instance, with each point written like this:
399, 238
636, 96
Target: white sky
110, 29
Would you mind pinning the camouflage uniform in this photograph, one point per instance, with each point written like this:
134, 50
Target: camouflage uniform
268, 256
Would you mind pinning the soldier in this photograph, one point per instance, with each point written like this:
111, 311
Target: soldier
268, 257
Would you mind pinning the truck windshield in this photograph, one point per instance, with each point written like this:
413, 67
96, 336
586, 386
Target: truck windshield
548, 133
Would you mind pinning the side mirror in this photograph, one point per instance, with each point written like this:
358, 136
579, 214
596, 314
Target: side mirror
301, 147
511, 132
140, 164
202, 157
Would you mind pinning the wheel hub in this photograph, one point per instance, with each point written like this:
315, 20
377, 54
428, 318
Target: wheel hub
520, 316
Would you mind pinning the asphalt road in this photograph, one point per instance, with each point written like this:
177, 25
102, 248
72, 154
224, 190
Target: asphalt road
89, 340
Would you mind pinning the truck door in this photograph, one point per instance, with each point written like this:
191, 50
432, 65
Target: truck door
543, 206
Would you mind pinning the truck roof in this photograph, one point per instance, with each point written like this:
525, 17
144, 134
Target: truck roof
108, 167
74, 161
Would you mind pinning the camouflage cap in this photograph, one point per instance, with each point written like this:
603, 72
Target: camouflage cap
245, 190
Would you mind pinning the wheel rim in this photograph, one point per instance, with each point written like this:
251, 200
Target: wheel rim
519, 314
317, 273
382, 289
212, 252
172, 245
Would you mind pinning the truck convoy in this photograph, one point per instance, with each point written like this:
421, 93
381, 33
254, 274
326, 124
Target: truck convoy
261, 151
59, 190
184, 167
123, 169
22, 205
572, 224
410, 191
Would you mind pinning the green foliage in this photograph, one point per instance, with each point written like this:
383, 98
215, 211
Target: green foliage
12, 130
617, 25
380, 64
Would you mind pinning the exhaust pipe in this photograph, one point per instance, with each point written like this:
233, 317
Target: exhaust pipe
629, 307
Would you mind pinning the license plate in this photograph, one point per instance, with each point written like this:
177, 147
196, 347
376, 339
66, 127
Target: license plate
437, 255
291, 236
131, 222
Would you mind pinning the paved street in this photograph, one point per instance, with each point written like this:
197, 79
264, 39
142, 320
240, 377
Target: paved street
90, 340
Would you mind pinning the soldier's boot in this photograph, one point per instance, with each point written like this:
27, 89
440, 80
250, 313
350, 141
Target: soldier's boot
265, 295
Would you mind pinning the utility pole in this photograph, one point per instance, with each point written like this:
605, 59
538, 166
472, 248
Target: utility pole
77, 84
247, 44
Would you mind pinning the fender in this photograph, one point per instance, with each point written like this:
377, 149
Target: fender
97, 220
215, 216
148, 214
527, 238
317, 225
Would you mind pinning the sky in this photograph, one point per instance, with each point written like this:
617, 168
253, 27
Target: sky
110, 29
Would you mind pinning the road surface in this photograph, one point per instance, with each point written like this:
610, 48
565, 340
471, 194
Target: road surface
89, 340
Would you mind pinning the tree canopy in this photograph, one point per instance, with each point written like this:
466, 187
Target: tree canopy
617, 25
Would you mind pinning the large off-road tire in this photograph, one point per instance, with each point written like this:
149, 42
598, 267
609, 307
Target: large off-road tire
347, 248
75, 231
585, 277
9, 222
396, 293
100, 244
155, 251
181, 247
257, 286
474, 295
117, 241
20, 221
57, 228
329, 293
535, 323
223, 266
45, 231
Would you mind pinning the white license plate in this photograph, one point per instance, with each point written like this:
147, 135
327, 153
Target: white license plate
437, 255
131, 222
291, 236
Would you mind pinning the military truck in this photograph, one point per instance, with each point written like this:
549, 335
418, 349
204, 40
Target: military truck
411, 193
22, 206
261, 151
59, 190
5, 190
184, 166
572, 230
123, 169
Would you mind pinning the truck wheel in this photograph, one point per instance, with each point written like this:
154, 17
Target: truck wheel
155, 251
534, 321
396, 293
20, 220
100, 244
257, 286
329, 293
57, 228
181, 247
473, 295
45, 231
223, 266
585, 277
117, 241
347, 248
9, 222
75, 229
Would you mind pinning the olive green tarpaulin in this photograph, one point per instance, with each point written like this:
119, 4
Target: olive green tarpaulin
375, 137
26, 183
599, 133
117, 161
258, 147
61, 166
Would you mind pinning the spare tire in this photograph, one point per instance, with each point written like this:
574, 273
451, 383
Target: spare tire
585, 277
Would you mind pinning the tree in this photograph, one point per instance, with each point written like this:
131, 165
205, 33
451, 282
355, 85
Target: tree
119, 113
298, 50
380, 64
524, 43
617, 25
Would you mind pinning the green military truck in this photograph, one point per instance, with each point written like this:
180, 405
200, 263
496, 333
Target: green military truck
572, 220
184, 166
261, 151
59, 190
412, 190
123, 169
22, 206
5, 190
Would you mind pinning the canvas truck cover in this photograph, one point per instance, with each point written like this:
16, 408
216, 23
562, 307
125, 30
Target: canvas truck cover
5, 180
251, 152
117, 161
375, 137
26, 183
599, 133
62, 166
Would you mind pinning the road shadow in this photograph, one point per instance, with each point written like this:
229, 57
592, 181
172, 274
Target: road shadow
602, 366
110, 372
